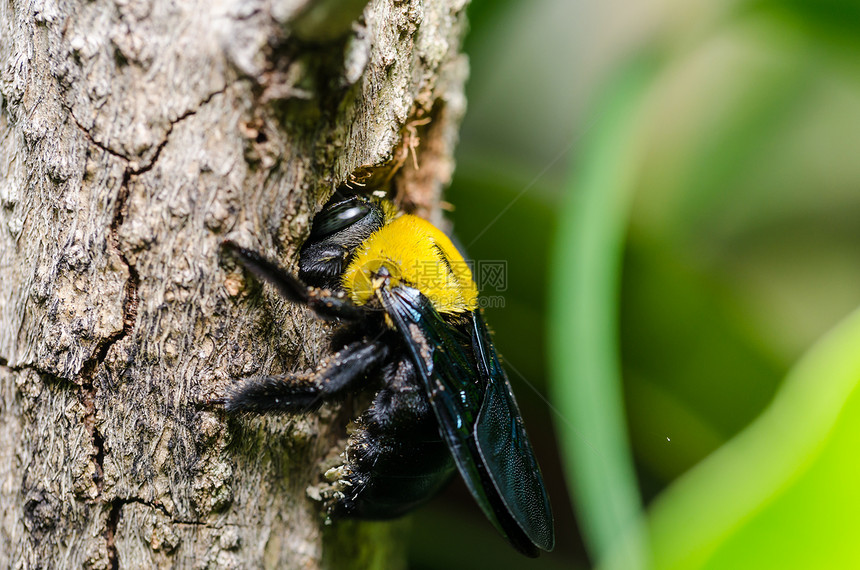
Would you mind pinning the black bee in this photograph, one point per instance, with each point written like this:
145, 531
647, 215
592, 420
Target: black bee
413, 334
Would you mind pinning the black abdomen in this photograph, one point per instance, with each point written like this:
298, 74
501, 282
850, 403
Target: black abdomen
397, 458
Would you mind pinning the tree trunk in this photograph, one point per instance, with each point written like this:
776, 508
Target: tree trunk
135, 137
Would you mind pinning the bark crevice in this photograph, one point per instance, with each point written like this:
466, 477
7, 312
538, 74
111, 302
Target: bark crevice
110, 533
134, 169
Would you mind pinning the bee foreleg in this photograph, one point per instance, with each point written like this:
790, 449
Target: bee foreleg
301, 393
325, 303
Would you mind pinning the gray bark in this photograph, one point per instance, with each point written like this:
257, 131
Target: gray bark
134, 137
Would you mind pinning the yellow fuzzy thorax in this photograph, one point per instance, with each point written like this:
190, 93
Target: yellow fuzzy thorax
418, 255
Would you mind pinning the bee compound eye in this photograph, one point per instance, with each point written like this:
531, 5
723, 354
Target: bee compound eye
337, 217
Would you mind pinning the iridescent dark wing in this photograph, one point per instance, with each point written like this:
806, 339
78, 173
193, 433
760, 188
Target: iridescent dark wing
478, 416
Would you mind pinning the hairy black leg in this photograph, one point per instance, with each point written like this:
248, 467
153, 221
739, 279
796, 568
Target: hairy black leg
325, 303
292, 394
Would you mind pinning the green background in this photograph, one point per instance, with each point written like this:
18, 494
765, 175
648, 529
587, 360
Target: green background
675, 189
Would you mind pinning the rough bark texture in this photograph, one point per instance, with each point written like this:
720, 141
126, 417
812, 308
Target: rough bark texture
134, 137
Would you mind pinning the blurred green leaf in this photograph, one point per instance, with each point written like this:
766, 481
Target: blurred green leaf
834, 24
740, 254
694, 372
720, 108
784, 493
586, 384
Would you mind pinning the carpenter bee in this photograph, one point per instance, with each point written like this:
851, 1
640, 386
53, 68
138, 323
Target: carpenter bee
410, 333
